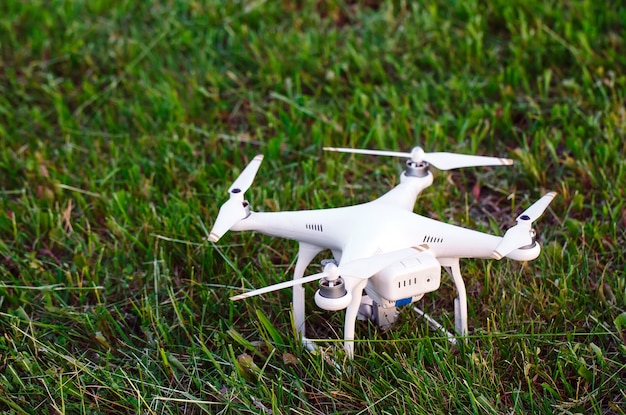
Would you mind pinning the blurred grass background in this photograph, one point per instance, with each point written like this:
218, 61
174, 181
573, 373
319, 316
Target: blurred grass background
122, 125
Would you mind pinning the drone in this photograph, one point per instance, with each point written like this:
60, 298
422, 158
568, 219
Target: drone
384, 255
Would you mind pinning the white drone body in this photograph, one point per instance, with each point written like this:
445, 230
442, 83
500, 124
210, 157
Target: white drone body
381, 247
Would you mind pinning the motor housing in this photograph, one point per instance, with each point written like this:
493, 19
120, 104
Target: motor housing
332, 296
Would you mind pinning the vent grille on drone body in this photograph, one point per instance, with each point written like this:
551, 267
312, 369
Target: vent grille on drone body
407, 282
314, 227
432, 239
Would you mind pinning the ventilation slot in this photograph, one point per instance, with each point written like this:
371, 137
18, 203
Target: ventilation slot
432, 239
314, 227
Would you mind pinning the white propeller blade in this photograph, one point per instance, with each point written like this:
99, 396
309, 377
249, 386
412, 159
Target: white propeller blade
359, 268
535, 211
442, 161
370, 152
448, 161
233, 210
280, 286
245, 179
514, 238
520, 235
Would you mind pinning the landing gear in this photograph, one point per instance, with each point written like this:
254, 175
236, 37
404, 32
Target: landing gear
306, 253
460, 302
385, 317
362, 307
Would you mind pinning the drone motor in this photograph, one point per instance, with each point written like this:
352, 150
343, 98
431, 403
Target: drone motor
415, 169
533, 237
332, 289
332, 294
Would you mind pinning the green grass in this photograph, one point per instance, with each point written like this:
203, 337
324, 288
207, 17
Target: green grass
123, 124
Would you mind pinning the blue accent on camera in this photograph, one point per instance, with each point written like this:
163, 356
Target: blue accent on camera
404, 301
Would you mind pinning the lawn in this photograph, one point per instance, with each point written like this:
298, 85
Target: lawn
123, 124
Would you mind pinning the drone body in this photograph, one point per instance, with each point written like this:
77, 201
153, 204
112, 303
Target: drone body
380, 247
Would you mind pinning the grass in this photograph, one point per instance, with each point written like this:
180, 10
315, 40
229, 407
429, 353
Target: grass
123, 124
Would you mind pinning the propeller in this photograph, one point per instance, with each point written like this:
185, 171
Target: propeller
443, 161
234, 209
522, 234
362, 268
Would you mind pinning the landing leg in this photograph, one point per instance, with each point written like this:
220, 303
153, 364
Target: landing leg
350, 318
460, 303
306, 253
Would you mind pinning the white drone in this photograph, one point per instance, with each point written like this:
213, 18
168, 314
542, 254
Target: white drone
385, 256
